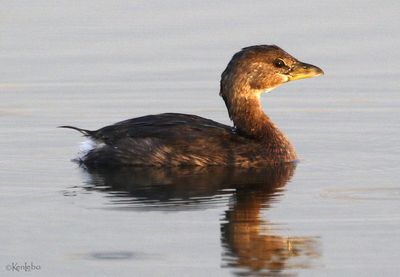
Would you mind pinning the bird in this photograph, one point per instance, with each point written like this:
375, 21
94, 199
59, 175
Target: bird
180, 140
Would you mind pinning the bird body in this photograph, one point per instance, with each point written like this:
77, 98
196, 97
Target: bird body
172, 139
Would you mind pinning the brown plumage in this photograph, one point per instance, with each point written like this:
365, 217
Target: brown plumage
187, 140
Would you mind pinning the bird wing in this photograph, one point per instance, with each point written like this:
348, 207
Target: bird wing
163, 126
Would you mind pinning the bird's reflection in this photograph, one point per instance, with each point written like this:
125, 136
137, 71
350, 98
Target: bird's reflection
251, 245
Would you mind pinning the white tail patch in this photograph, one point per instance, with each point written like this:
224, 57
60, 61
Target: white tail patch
85, 147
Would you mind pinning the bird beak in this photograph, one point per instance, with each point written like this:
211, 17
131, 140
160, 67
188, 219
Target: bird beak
303, 70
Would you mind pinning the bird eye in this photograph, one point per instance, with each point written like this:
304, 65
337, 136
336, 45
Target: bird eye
279, 63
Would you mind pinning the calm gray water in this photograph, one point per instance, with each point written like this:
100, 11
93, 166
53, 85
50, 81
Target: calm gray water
92, 63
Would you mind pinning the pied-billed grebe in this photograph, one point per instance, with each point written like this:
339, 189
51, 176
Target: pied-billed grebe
172, 139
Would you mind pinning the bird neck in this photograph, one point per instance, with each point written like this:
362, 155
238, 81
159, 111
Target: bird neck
246, 112
249, 118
